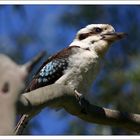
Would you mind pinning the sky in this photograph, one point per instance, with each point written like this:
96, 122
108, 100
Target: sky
41, 28
16, 23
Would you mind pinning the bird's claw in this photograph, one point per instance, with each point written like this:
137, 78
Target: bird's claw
82, 101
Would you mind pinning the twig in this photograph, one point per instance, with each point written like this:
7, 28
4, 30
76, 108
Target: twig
31, 64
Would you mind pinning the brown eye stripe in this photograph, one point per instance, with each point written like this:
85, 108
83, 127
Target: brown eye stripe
94, 31
83, 36
86, 35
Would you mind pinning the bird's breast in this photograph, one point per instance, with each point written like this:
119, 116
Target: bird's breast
82, 70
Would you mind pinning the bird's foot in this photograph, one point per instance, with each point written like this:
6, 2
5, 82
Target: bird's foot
82, 101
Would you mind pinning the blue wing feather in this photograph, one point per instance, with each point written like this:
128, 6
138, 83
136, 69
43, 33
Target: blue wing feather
49, 73
51, 70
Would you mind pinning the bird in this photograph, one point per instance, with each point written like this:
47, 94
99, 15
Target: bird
77, 65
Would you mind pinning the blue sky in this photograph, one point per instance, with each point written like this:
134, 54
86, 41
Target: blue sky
43, 26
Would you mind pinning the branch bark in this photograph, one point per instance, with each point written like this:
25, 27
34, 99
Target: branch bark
60, 96
12, 77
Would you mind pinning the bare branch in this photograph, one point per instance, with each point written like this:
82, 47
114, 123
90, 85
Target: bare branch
30, 65
60, 96
10, 86
12, 77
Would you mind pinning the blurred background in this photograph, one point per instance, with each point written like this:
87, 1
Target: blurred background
25, 30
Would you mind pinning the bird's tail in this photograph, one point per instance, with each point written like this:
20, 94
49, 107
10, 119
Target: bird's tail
21, 124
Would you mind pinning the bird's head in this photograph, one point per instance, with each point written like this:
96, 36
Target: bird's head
97, 37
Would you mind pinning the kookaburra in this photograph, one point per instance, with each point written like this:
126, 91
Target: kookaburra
77, 65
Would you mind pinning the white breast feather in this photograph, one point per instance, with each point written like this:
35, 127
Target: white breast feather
81, 71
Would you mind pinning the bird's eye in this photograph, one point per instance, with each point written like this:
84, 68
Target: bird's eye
98, 30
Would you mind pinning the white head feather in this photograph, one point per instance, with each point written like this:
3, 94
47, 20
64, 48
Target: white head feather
92, 37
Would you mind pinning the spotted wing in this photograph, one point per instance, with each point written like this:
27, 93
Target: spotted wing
52, 69
49, 73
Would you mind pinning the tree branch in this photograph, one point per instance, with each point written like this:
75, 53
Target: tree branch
12, 77
57, 96
10, 86
32, 63
60, 96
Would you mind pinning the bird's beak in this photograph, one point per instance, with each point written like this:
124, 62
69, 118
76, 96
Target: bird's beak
111, 37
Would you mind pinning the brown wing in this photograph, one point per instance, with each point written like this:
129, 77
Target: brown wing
63, 54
